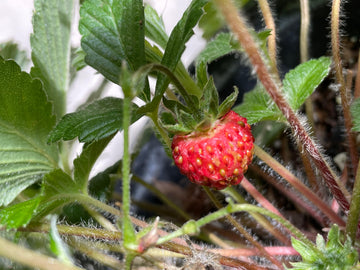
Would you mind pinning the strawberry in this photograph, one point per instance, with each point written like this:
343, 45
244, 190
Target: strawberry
217, 157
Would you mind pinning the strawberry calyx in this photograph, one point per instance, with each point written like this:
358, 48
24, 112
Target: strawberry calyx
196, 115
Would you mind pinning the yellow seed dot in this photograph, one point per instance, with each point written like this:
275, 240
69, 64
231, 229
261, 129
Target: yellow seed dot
198, 162
222, 172
176, 149
180, 160
241, 123
200, 151
211, 167
209, 149
240, 144
236, 171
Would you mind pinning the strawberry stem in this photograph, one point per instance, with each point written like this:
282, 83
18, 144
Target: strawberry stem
242, 230
297, 184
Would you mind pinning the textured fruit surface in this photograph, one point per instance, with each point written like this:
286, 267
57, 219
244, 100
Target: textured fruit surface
218, 157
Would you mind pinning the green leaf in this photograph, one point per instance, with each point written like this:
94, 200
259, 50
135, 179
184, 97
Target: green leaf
130, 20
257, 106
154, 27
302, 81
19, 215
112, 31
223, 44
355, 112
100, 38
94, 122
85, 162
25, 121
57, 245
175, 47
50, 44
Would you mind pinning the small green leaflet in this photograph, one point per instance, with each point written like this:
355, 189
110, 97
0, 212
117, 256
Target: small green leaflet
50, 44
298, 85
258, 106
25, 121
302, 81
96, 121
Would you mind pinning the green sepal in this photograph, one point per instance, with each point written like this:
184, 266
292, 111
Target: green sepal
174, 105
187, 120
227, 104
167, 119
209, 102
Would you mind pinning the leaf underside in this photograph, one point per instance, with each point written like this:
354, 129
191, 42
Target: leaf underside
25, 121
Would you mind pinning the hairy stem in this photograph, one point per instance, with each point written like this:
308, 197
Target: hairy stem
270, 24
297, 184
259, 218
238, 26
243, 232
335, 47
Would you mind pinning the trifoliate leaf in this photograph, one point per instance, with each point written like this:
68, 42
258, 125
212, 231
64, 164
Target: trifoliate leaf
94, 122
50, 44
25, 121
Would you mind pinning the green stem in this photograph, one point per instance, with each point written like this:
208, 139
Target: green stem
259, 218
243, 232
231, 208
127, 227
354, 212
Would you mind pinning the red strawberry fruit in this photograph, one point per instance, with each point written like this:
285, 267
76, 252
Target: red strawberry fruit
217, 157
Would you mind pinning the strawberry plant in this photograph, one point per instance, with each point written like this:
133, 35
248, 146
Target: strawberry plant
251, 204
